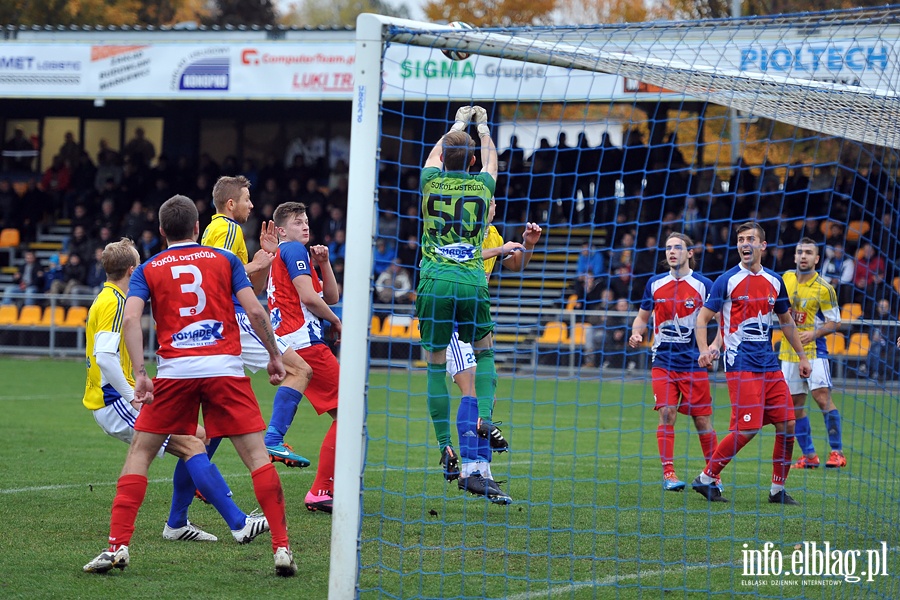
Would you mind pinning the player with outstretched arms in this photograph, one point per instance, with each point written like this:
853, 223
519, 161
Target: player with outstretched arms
747, 299
816, 312
475, 451
231, 196
680, 384
298, 303
109, 394
189, 288
452, 287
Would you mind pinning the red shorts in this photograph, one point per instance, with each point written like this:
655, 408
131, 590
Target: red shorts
688, 390
229, 407
758, 399
322, 390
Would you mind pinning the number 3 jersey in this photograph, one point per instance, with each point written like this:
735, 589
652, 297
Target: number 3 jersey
189, 288
454, 213
289, 315
674, 304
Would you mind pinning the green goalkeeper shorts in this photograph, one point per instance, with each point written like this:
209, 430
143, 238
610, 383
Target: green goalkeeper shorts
442, 306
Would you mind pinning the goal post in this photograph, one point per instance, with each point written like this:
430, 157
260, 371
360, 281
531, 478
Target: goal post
651, 106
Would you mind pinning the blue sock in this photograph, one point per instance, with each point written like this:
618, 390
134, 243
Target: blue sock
205, 477
833, 426
801, 433
472, 447
182, 495
283, 410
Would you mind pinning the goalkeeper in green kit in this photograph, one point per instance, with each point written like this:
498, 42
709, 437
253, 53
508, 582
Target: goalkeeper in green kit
453, 291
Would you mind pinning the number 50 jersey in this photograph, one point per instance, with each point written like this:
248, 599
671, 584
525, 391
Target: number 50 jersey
189, 288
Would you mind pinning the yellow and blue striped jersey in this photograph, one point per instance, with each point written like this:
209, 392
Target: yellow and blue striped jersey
227, 234
812, 303
492, 239
104, 334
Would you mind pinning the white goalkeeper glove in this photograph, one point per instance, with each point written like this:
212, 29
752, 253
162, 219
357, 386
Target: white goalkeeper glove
463, 116
480, 116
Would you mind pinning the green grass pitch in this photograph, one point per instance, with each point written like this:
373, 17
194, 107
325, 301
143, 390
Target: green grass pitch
589, 518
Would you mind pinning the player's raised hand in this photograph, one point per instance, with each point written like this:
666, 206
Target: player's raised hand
268, 239
143, 389
532, 233
635, 340
319, 254
510, 247
463, 116
480, 116
276, 370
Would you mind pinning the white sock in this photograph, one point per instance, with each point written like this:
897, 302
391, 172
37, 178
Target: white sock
706, 479
478, 466
775, 489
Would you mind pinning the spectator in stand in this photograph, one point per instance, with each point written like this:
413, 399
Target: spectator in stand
838, 270
53, 273
140, 151
19, 152
107, 155
394, 285
881, 362
621, 285
206, 210
384, 256
70, 150
149, 244
409, 252
623, 251
312, 195
134, 222
646, 262
270, 194
615, 344
56, 181
28, 281
341, 170
134, 183
338, 247
338, 194
74, 280
589, 270
34, 206
96, 275
334, 223
868, 277
108, 168
107, 217
81, 244
8, 201
315, 213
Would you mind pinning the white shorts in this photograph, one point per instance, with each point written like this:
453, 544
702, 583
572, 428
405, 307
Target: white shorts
460, 356
117, 419
819, 378
253, 352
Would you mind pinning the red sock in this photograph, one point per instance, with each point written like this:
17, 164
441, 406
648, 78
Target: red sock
267, 487
781, 457
727, 449
130, 492
325, 471
708, 443
665, 439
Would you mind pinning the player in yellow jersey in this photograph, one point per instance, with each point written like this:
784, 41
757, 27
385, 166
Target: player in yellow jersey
815, 309
475, 473
231, 196
109, 393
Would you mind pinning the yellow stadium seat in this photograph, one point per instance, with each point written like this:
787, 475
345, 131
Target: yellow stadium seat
395, 328
554, 332
836, 344
571, 302
376, 326
9, 238
30, 315
579, 333
76, 317
54, 315
859, 345
9, 314
851, 311
414, 332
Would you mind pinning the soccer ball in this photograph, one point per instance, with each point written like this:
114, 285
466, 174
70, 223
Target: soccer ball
456, 54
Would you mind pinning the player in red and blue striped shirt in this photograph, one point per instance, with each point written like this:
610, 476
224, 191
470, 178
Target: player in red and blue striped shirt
680, 384
748, 298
